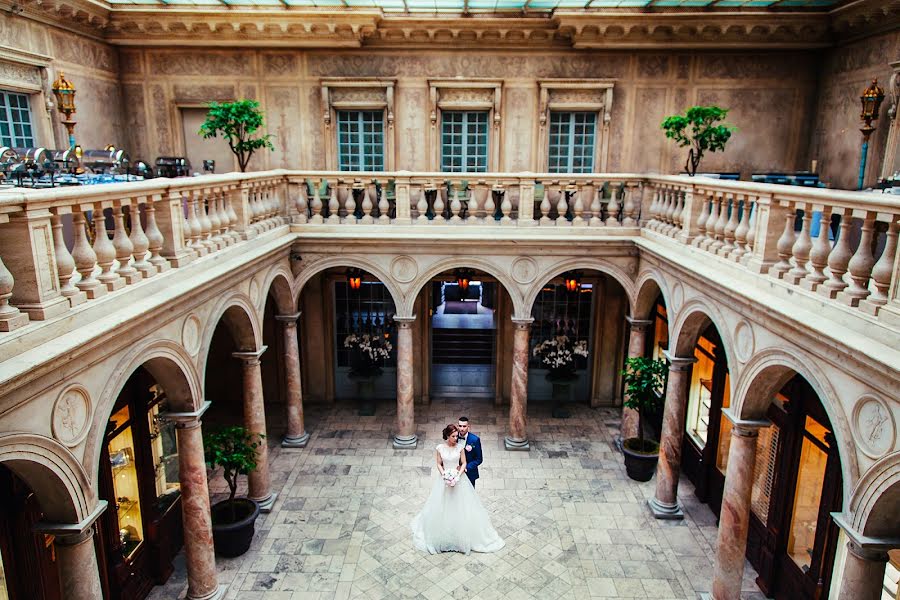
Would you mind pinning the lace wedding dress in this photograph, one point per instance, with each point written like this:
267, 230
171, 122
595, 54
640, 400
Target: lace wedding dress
453, 518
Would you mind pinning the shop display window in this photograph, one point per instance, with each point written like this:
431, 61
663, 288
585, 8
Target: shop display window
125, 483
164, 451
724, 428
808, 494
700, 394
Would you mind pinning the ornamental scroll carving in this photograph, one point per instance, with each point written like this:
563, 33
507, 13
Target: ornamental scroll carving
373, 96
462, 97
17, 75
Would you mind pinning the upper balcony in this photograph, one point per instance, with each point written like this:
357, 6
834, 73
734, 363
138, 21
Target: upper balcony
55, 270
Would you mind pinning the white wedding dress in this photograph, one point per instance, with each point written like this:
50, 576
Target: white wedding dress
453, 518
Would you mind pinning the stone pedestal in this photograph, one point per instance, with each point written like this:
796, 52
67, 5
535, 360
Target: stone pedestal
255, 422
296, 436
636, 345
664, 504
518, 399
405, 436
734, 521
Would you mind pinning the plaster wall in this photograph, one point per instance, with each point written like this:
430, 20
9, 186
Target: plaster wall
836, 139
770, 95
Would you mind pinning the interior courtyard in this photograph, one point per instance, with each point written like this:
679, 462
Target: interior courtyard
468, 208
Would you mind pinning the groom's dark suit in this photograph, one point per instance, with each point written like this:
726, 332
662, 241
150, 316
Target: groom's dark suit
473, 457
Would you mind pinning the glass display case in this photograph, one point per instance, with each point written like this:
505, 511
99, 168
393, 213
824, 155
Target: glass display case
163, 450
125, 483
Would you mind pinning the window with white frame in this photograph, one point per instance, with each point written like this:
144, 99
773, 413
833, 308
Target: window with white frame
464, 141
572, 138
360, 140
15, 120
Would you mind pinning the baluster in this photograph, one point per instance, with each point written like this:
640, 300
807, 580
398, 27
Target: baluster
665, 205
818, 257
800, 249
751, 232
367, 206
139, 241
155, 237
85, 259
334, 207
123, 246
741, 204
505, 205
718, 229
612, 209
839, 257
545, 207
194, 221
65, 264
489, 206
105, 252
562, 207
301, 203
711, 221
438, 206
11, 318
350, 206
233, 233
653, 222
628, 209
201, 198
422, 206
384, 207
252, 207
455, 204
577, 210
785, 244
730, 227
883, 270
677, 209
316, 205
860, 266
702, 219
474, 205
224, 219
596, 207
215, 223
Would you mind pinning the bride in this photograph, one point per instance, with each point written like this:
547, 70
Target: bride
453, 518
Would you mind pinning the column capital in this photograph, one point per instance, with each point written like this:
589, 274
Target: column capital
745, 427
863, 546
404, 322
287, 319
72, 530
185, 420
678, 363
638, 324
250, 357
521, 324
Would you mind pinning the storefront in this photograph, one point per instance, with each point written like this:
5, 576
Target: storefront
141, 532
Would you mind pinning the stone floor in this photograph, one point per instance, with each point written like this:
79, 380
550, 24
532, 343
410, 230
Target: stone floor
575, 526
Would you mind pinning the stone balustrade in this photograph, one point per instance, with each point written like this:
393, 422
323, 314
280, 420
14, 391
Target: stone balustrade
66, 246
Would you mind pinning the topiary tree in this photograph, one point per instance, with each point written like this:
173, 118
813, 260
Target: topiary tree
233, 449
643, 378
704, 135
237, 122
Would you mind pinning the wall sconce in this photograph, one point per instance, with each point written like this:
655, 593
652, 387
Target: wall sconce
573, 281
354, 278
871, 99
64, 91
463, 277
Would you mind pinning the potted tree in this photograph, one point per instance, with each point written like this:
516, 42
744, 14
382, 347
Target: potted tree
704, 134
237, 122
643, 379
233, 520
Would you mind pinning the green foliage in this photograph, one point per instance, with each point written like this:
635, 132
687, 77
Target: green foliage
233, 449
237, 122
643, 379
704, 134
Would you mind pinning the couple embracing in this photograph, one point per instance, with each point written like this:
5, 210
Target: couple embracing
453, 518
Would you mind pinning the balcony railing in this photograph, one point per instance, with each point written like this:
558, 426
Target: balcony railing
63, 247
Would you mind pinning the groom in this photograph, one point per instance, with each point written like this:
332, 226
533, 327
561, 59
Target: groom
472, 444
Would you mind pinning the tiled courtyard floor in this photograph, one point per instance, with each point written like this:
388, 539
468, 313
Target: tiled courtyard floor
575, 526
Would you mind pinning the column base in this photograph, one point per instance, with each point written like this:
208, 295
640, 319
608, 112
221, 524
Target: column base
705, 596
514, 444
217, 594
295, 442
266, 504
665, 511
405, 442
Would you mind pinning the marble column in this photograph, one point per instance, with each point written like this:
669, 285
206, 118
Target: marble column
76, 560
518, 398
734, 518
405, 436
636, 345
255, 422
664, 505
864, 562
199, 555
296, 436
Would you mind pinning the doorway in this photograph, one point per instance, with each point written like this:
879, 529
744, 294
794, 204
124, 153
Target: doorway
463, 339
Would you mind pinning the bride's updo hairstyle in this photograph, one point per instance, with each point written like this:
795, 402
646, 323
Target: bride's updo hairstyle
449, 429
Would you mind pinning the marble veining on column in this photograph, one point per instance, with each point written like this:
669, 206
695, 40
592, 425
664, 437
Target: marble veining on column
296, 436
255, 422
405, 438
518, 401
636, 345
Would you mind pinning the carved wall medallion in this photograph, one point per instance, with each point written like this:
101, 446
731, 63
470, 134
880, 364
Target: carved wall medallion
524, 270
874, 427
254, 291
71, 415
190, 335
404, 269
744, 341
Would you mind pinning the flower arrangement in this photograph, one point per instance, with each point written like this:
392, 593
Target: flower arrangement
558, 354
451, 477
370, 350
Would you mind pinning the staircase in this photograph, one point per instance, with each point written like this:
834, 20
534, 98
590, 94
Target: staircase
462, 346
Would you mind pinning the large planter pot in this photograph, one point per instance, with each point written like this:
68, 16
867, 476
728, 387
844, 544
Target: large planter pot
365, 392
232, 537
562, 393
640, 464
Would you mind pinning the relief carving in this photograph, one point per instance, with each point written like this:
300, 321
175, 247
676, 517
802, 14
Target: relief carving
653, 66
203, 93
82, 51
19, 74
160, 117
279, 64
368, 95
283, 106
130, 62
176, 63
71, 415
136, 120
748, 66
874, 426
466, 96
576, 96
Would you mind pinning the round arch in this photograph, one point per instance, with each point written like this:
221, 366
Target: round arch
240, 318
173, 369
874, 501
278, 285
764, 376
52, 472
349, 261
557, 269
473, 262
649, 285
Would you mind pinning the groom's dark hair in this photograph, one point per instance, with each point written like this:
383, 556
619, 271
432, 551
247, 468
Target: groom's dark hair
465, 419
